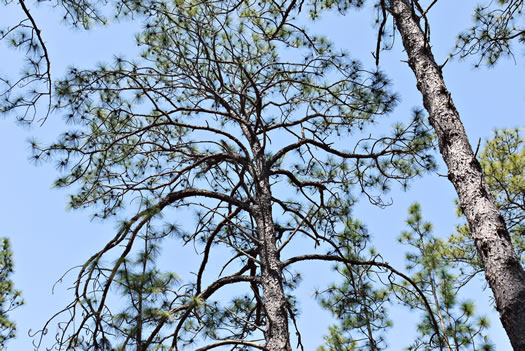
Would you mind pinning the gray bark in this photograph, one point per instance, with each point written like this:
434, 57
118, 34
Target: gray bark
275, 302
277, 334
503, 270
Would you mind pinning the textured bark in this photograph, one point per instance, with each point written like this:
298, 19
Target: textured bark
277, 334
275, 303
503, 270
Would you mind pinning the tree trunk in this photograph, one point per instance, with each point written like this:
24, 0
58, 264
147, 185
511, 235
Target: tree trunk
277, 334
503, 270
275, 303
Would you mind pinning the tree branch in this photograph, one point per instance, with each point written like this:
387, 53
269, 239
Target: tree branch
231, 342
369, 263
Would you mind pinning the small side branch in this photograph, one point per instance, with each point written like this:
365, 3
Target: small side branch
44, 49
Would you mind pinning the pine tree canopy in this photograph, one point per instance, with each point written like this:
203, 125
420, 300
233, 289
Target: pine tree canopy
232, 151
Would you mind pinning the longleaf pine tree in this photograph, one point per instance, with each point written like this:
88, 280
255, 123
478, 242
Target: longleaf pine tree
503, 269
491, 37
447, 323
241, 134
235, 116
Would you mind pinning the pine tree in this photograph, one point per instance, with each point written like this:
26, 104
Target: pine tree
502, 267
202, 120
361, 302
234, 117
441, 267
440, 278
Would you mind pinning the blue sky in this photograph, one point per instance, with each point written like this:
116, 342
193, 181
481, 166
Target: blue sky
48, 240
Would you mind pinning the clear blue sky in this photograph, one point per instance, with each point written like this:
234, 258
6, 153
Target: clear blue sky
47, 240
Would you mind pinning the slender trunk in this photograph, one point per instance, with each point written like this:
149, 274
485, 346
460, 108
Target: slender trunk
438, 312
277, 334
275, 303
503, 270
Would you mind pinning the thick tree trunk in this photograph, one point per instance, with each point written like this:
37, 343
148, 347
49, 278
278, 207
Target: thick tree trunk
503, 270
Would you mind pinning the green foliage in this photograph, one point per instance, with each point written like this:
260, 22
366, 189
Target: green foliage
359, 302
337, 341
436, 276
497, 25
503, 162
10, 298
319, 6
231, 109
146, 293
